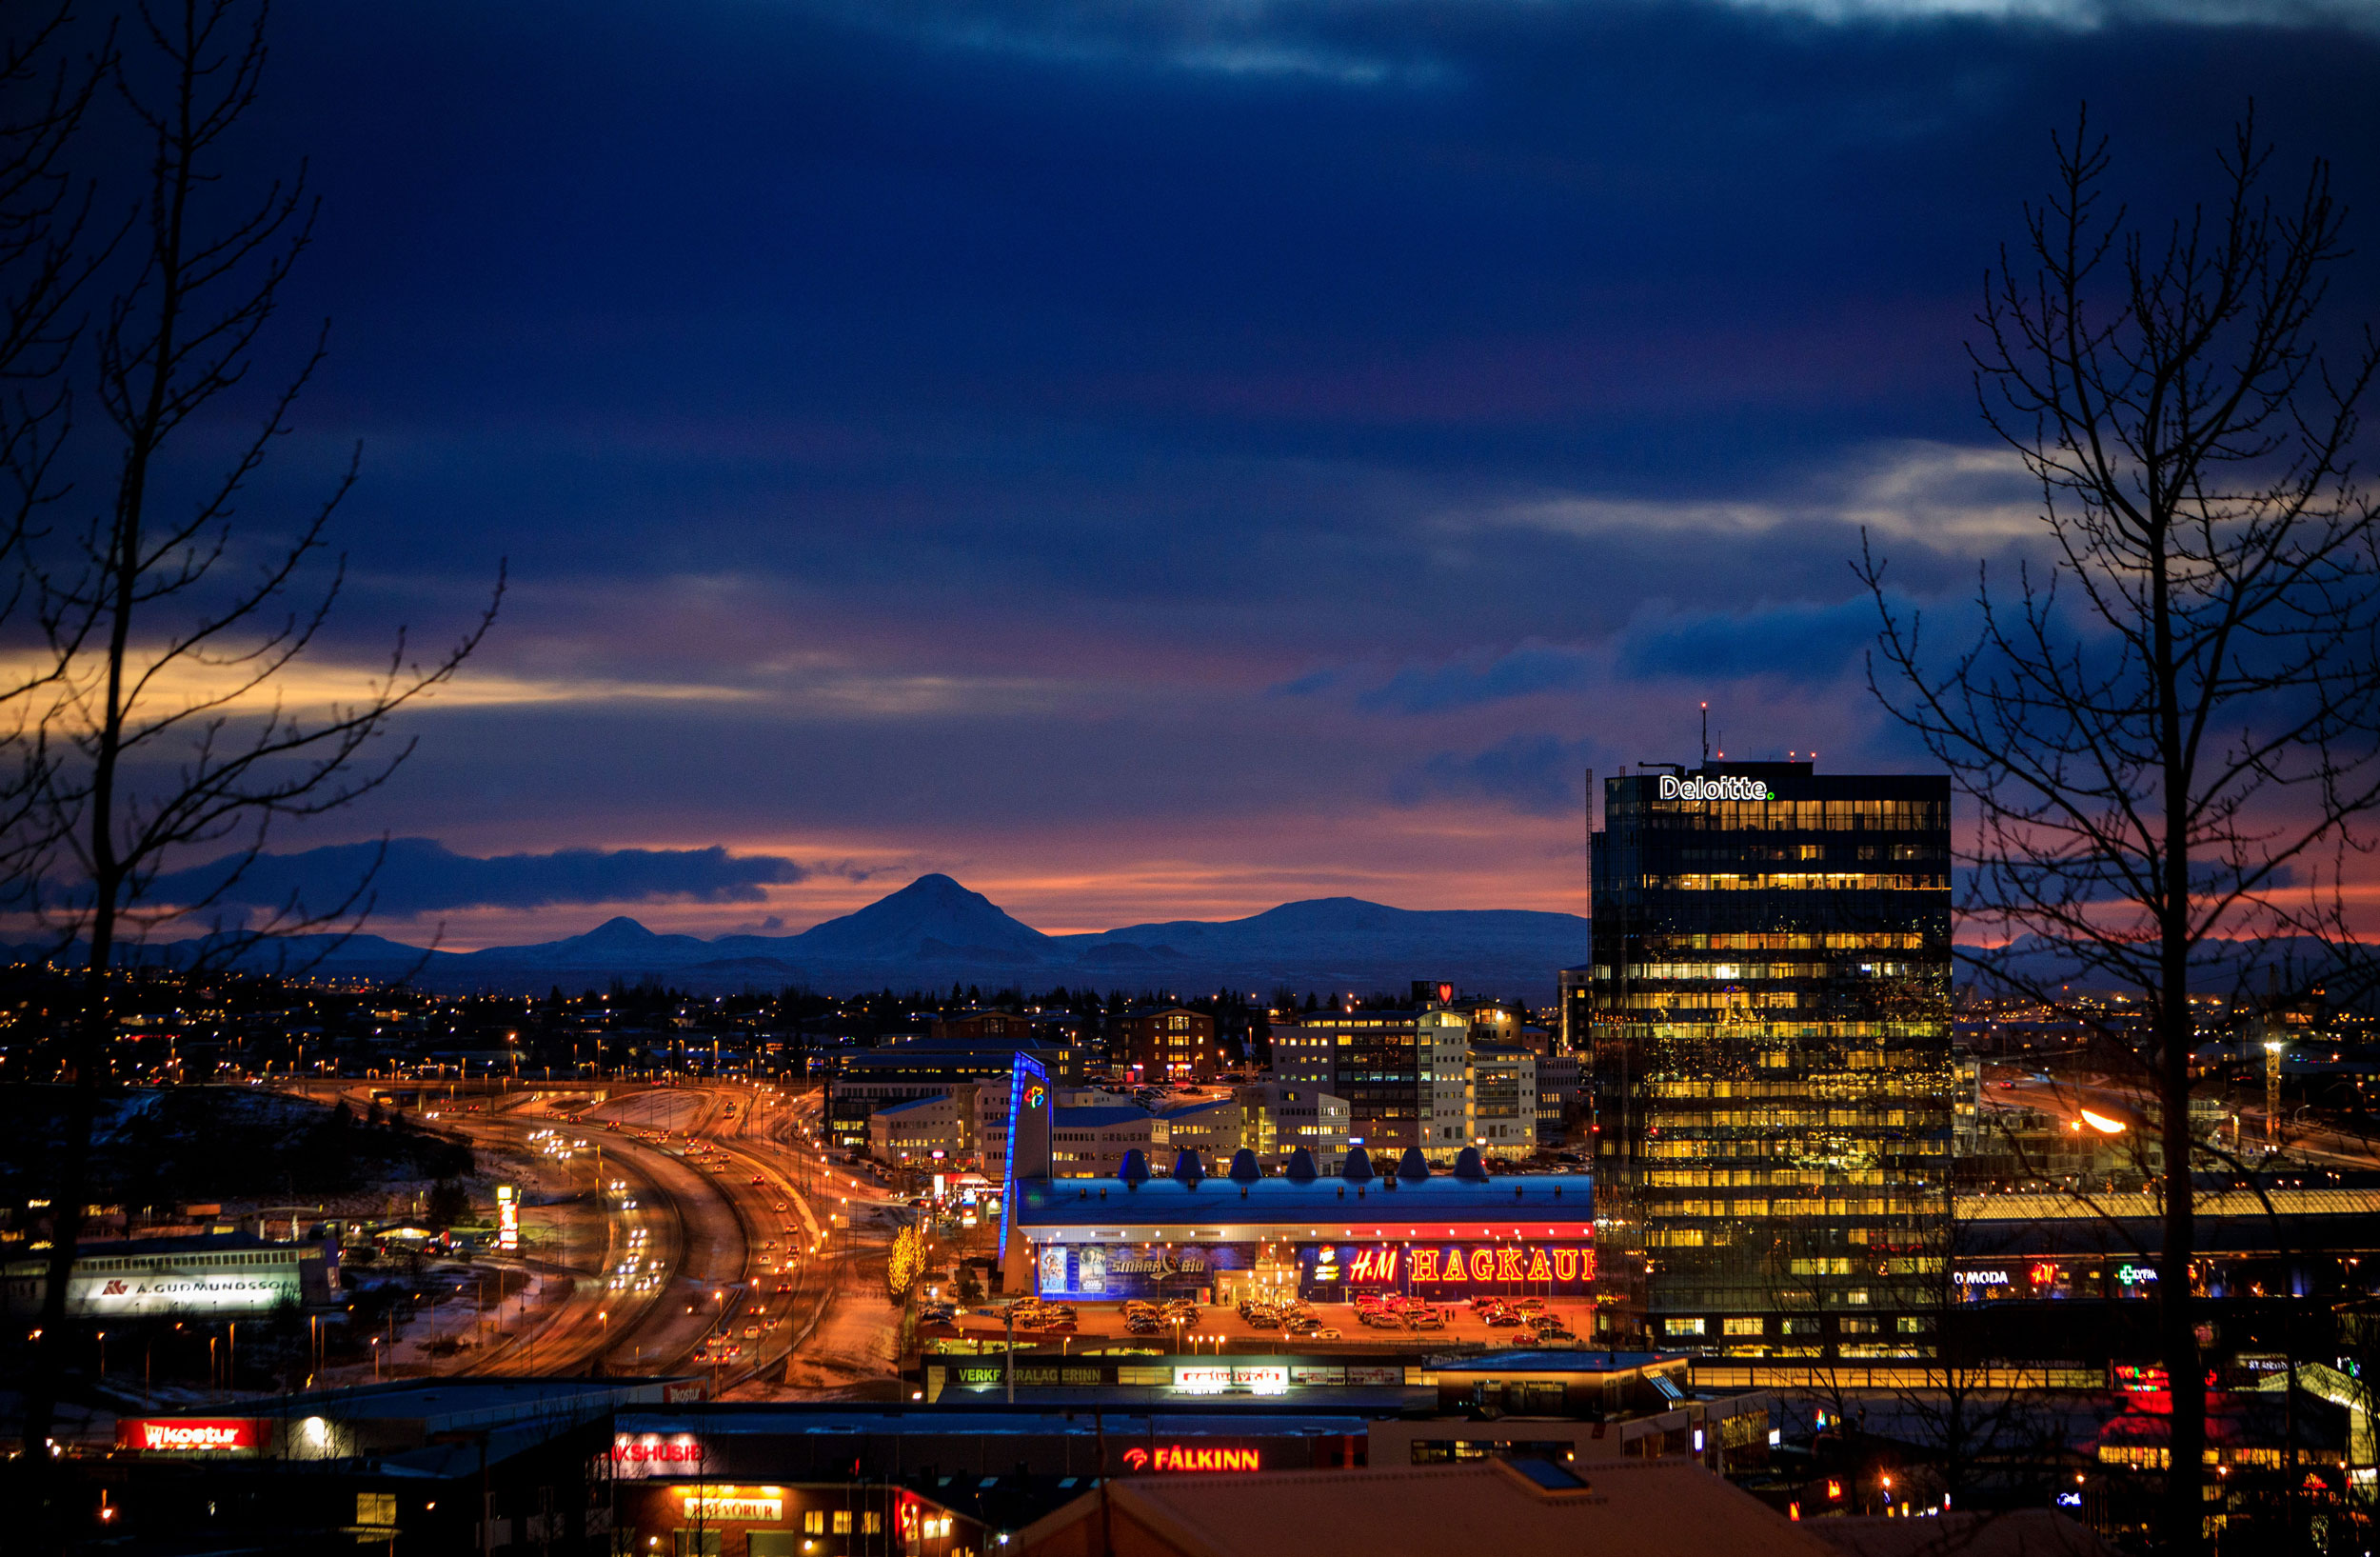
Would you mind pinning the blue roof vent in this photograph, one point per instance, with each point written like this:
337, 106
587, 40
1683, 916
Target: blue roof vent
1244, 1167
1189, 1169
1135, 1171
1301, 1167
1411, 1167
1358, 1168
1468, 1167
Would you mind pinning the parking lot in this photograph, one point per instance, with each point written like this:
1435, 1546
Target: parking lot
1225, 1328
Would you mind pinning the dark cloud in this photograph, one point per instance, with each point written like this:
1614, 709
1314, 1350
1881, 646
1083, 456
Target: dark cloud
1799, 643
421, 875
1539, 773
1155, 357
1532, 667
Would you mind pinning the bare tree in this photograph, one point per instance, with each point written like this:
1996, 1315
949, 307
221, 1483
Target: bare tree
46, 93
175, 617
2172, 725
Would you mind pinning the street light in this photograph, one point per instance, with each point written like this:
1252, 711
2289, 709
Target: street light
2273, 1094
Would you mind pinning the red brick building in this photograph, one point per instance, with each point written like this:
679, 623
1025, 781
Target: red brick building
1166, 1043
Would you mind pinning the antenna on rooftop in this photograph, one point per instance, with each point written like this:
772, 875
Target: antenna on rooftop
1706, 735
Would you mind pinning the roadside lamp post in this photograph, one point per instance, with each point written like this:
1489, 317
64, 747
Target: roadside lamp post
375, 1357
2272, 1094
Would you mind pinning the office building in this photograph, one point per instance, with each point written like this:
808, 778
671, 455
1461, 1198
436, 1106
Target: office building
1403, 1073
1771, 1077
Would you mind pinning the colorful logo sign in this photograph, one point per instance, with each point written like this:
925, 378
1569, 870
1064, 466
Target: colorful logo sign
1036, 1095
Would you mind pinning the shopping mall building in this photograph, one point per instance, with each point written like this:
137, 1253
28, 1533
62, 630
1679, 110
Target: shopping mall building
1397, 1227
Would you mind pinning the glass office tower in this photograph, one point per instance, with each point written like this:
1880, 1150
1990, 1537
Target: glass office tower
1768, 1008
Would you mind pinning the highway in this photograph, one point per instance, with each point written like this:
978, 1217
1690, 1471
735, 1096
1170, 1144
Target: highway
739, 1233
2066, 1097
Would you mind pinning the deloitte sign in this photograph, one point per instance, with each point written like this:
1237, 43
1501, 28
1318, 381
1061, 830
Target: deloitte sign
1714, 788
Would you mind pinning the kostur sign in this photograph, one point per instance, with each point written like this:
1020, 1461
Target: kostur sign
1730, 787
188, 1435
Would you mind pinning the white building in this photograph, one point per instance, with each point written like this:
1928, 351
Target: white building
1501, 1097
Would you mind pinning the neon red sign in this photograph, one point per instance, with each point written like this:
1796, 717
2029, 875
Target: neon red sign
1175, 1457
650, 1454
192, 1435
1556, 1263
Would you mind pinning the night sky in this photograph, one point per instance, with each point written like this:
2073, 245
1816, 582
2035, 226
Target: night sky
1160, 460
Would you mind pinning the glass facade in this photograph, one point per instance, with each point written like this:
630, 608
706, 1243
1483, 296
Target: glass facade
1768, 1009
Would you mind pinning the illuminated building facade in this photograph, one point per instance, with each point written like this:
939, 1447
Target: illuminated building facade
1773, 1078
1403, 1074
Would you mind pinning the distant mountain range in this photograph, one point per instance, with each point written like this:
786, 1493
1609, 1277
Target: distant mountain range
935, 932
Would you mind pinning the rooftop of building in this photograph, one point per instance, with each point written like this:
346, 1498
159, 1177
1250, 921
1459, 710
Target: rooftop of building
1558, 1362
446, 1400
1098, 1116
995, 1419
94, 1247
1653, 1508
937, 1100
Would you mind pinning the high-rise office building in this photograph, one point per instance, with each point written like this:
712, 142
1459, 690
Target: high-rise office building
1773, 1080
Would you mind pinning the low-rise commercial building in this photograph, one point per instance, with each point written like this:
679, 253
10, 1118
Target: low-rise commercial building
1091, 1143
938, 1130
865, 1080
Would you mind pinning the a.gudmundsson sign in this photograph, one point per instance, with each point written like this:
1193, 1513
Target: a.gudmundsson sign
1730, 787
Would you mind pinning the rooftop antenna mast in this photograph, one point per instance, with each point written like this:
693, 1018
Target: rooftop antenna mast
1706, 735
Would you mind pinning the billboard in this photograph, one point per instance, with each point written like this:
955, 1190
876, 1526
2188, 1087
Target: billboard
507, 1219
191, 1289
1129, 1271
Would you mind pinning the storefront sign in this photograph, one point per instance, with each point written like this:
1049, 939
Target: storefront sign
1730, 787
727, 1504
1980, 1278
650, 1454
1213, 1380
2134, 1275
1175, 1457
1445, 1268
190, 1435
